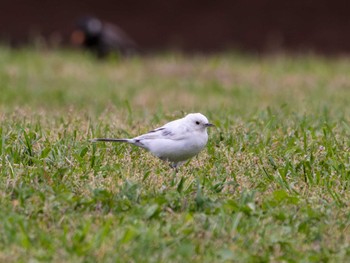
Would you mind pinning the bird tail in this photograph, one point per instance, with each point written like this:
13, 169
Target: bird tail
109, 140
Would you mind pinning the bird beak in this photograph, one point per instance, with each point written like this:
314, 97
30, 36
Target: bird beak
209, 125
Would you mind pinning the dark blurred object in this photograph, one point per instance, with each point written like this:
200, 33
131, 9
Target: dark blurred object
192, 26
102, 38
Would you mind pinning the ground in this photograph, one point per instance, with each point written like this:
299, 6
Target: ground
272, 184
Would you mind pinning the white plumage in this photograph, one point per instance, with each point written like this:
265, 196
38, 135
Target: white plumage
176, 141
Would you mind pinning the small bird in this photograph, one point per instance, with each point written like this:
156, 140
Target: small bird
102, 38
176, 141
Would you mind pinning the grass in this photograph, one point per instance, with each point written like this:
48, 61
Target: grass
271, 186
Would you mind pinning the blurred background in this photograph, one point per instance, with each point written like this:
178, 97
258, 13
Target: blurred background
191, 26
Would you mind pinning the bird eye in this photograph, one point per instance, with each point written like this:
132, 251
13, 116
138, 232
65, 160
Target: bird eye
197, 122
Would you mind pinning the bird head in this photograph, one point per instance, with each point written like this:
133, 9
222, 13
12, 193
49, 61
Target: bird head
87, 29
198, 121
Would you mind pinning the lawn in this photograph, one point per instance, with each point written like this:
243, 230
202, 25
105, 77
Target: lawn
272, 184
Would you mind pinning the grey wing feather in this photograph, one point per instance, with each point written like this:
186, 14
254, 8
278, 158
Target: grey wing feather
170, 131
155, 130
167, 133
160, 133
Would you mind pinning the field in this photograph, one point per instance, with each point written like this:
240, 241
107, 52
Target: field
272, 184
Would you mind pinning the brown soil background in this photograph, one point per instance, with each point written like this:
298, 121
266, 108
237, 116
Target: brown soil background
261, 25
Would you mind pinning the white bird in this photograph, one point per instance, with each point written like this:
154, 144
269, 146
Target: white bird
176, 141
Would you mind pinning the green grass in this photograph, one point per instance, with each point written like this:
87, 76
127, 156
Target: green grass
271, 186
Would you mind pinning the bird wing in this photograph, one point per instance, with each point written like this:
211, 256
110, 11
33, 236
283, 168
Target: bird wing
117, 38
171, 131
